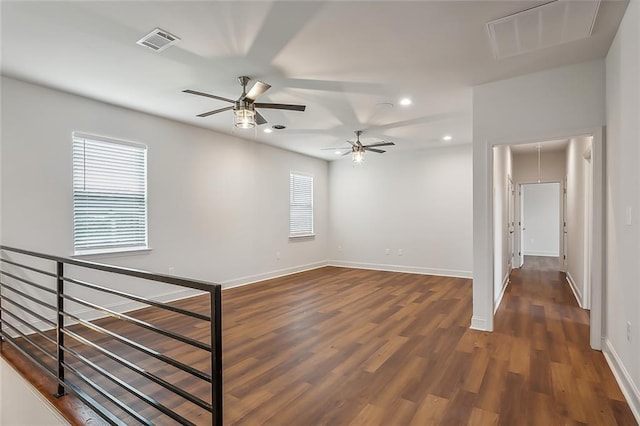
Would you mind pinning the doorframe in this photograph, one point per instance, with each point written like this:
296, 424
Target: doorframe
511, 219
597, 321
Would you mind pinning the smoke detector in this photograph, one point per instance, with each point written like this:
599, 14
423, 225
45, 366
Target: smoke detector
158, 40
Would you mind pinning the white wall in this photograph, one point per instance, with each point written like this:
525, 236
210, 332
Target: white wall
577, 209
536, 107
502, 170
21, 404
417, 202
623, 193
218, 205
525, 170
541, 219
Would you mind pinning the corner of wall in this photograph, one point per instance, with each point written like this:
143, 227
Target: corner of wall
628, 387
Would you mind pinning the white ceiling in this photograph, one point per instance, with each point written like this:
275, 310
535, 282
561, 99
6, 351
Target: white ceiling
347, 61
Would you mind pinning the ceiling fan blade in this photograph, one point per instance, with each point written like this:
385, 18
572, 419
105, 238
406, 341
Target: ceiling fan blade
346, 153
260, 119
257, 90
379, 151
280, 106
352, 143
380, 144
215, 111
220, 98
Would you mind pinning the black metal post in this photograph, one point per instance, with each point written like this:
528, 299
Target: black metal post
216, 356
1, 323
60, 328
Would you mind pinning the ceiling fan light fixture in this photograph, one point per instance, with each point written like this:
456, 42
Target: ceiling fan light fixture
358, 156
244, 118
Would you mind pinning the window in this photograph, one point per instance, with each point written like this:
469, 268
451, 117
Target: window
300, 205
109, 195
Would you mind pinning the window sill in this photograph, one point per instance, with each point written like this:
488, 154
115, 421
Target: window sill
302, 237
109, 253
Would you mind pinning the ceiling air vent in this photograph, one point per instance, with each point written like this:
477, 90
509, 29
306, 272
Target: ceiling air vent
544, 26
158, 40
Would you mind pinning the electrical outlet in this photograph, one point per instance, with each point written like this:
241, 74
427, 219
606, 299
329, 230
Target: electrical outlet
400, 252
172, 270
278, 255
339, 247
628, 331
387, 251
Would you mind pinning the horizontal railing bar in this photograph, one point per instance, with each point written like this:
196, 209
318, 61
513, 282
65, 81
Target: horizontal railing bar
133, 367
33, 299
27, 310
93, 385
27, 339
140, 323
138, 299
31, 326
26, 352
169, 279
142, 348
68, 386
85, 376
151, 401
31, 268
31, 283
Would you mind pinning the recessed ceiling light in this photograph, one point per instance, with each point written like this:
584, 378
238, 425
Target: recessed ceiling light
278, 127
447, 137
405, 101
268, 130
338, 152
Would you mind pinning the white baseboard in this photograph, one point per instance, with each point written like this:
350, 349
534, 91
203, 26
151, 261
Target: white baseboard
401, 268
479, 324
498, 300
237, 282
628, 387
574, 288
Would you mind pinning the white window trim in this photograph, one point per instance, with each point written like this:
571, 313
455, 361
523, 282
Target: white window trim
112, 251
308, 235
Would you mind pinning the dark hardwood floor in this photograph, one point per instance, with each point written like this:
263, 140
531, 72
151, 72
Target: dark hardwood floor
337, 346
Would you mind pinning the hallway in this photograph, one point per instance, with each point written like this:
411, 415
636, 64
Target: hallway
551, 374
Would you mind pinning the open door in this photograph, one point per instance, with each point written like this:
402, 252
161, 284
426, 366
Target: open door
565, 235
512, 224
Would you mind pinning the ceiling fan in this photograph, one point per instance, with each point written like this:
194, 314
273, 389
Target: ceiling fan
244, 109
357, 149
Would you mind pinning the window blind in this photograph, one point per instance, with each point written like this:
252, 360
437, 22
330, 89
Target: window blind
109, 195
300, 205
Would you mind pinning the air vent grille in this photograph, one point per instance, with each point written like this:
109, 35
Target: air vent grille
158, 40
541, 27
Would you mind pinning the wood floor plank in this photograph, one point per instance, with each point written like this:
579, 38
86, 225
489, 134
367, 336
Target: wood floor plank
338, 346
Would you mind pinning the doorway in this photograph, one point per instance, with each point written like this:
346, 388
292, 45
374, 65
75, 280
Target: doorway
578, 171
511, 221
540, 219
